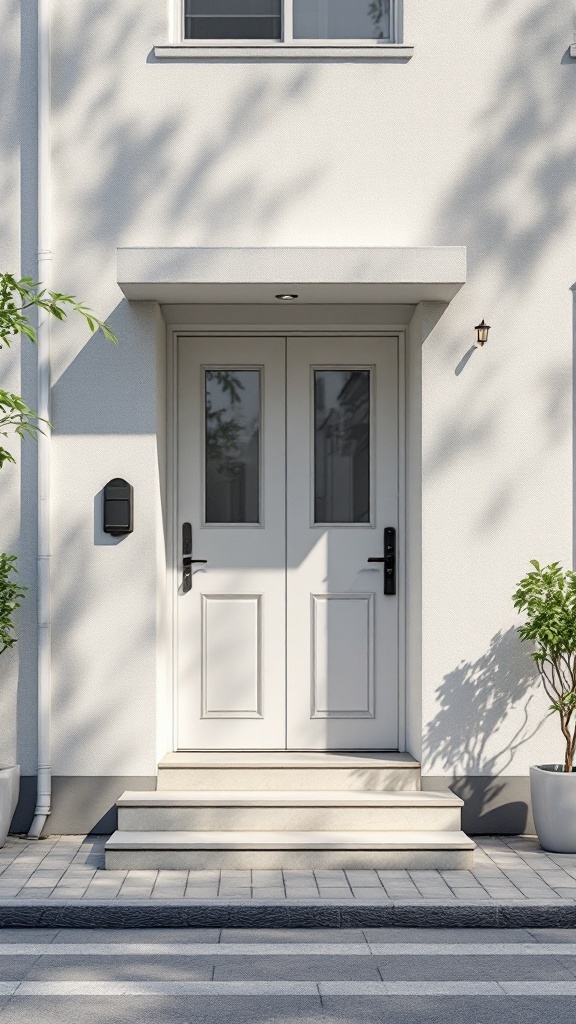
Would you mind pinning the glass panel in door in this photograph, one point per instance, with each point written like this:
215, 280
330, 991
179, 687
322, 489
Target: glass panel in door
342, 446
232, 445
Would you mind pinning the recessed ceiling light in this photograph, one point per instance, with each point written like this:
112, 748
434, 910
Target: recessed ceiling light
286, 298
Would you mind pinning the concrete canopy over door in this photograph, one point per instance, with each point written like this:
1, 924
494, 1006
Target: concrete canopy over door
318, 275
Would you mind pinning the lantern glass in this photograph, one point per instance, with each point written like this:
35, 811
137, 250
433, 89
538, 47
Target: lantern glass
482, 333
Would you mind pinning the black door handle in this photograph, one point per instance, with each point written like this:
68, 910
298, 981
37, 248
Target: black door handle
188, 562
389, 561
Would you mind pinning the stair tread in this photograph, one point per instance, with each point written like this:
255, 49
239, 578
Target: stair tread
288, 798
289, 759
337, 840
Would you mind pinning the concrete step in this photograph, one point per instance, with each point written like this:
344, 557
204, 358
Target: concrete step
289, 770
285, 810
238, 850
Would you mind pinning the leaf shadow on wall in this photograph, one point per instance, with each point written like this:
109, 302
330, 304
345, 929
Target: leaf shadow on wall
475, 701
516, 194
510, 204
155, 169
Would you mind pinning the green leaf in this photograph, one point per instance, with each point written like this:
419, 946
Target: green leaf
17, 297
11, 595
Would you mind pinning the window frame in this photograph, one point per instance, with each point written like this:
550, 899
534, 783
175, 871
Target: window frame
287, 33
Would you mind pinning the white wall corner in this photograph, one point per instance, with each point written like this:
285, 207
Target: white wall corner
164, 713
425, 318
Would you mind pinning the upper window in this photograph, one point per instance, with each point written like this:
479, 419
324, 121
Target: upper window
289, 20
233, 19
342, 19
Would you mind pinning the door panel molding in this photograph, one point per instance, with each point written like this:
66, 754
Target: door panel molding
344, 662
239, 619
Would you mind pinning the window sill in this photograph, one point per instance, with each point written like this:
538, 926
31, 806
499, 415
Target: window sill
573, 51
284, 51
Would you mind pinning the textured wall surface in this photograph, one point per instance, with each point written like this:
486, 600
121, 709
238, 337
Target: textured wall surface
470, 143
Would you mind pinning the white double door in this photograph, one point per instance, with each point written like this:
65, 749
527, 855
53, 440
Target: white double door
287, 481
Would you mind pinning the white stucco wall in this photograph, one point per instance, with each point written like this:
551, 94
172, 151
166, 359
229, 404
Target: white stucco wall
470, 143
105, 632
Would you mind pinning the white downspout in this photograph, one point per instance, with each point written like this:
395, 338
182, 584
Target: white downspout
44, 791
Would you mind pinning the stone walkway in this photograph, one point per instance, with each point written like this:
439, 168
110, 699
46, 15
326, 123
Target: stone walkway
508, 868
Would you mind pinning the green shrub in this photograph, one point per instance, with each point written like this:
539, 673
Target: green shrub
10, 596
547, 596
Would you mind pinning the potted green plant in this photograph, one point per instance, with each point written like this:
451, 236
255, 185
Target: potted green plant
547, 598
10, 596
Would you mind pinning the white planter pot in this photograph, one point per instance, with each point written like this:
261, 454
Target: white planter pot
9, 791
553, 793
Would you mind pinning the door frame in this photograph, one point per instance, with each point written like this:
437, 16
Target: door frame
172, 567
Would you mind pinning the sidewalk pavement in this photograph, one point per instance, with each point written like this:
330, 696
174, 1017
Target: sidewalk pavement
61, 881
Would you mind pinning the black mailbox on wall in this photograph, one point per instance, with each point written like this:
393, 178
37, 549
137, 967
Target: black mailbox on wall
118, 507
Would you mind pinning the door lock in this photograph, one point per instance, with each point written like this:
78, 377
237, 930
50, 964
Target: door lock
389, 561
187, 560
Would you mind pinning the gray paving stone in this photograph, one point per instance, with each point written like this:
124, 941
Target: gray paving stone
552, 934
401, 894
471, 968
139, 878
471, 894
119, 968
330, 874
124, 935
267, 879
451, 935
504, 894
35, 894
337, 893
363, 879
306, 895
41, 883
100, 892
16, 968
371, 894
291, 935
307, 968
64, 893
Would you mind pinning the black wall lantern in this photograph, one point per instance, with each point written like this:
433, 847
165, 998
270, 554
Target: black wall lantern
482, 333
118, 507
